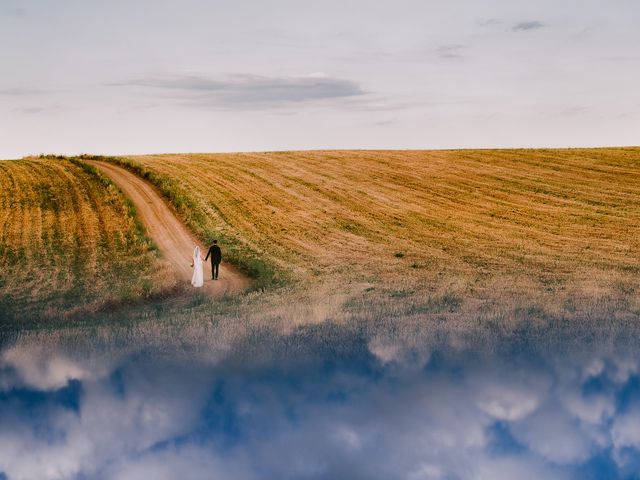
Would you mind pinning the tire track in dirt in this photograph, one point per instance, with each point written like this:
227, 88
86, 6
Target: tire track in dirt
172, 237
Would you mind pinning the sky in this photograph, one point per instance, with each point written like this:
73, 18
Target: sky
154, 76
308, 406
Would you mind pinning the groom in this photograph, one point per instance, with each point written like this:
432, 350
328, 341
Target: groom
216, 258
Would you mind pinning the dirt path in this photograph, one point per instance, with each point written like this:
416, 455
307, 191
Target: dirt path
170, 235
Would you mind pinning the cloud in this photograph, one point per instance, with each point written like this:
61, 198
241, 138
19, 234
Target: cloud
531, 25
249, 91
511, 468
32, 110
508, 403
626, 430
555, 436
383, 123
488, 22
21, 91
450, 51
38, 368
16, 12
194, 463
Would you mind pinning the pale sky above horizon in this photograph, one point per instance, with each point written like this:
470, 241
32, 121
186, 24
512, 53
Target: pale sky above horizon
143, 76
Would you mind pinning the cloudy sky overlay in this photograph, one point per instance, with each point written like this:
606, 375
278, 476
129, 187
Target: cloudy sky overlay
377, 408
148, 76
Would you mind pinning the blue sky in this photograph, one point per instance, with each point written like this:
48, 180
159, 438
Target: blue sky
144, 76
321, 402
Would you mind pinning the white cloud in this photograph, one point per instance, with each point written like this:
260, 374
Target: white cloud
516, 468
41, 369
508, 403
625, 431
555, 436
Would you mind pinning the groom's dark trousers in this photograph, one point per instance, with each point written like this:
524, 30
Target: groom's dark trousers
216, 258
214, 270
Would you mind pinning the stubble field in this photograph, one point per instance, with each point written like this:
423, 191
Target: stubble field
69, 244
500, 234
494, 238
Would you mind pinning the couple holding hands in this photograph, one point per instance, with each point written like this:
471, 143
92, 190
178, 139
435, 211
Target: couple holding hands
198, 272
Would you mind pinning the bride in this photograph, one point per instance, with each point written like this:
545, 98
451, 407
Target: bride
198, 274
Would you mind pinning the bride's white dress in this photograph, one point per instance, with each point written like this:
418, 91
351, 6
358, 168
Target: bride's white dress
198, 273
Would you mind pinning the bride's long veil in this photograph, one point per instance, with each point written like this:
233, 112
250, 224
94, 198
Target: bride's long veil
198, 274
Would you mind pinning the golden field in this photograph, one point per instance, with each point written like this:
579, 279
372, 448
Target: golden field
512, 232
69, 243
498, 238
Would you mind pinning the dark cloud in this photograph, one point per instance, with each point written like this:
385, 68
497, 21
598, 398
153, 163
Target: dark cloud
450, 51
531, 25
488, 22
250, 91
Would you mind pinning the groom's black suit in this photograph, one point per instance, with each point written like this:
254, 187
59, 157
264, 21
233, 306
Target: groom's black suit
216, 258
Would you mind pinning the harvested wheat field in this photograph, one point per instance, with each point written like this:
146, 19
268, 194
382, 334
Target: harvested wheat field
69, 243
433, 231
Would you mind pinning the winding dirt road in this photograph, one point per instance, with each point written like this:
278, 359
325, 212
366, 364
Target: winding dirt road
173, 239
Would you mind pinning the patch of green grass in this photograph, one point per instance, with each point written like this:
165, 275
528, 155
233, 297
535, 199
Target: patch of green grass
404, 293
532, 312
446, 303
625, 288
47, 198
570, 305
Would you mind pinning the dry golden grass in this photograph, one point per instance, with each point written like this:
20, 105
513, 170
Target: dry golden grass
68, 243
433, 231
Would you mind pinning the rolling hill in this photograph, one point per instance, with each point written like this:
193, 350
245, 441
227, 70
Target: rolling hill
535, 232
496, 236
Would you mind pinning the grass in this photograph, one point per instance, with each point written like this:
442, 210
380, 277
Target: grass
501, 229
69, 243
